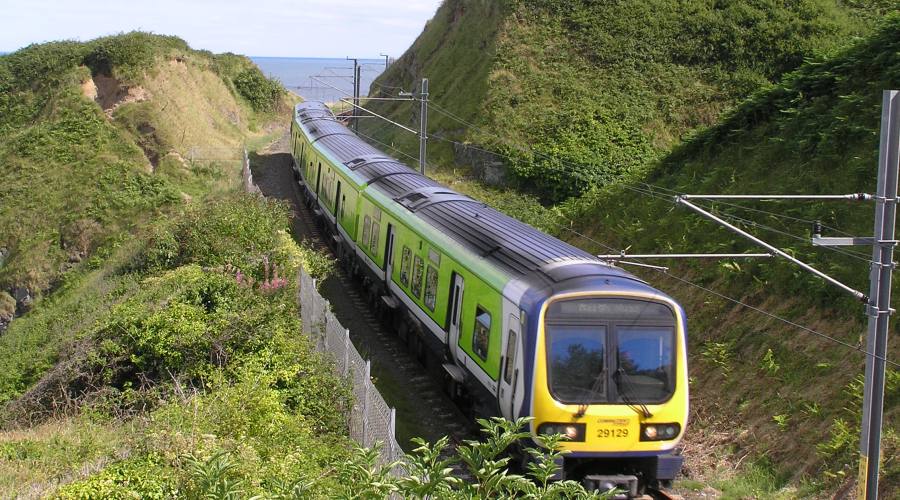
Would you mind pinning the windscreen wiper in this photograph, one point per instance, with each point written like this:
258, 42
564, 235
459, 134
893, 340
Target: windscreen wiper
625, 391
598, 381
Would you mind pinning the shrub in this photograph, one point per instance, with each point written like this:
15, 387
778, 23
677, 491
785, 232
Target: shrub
262, 93
428, 475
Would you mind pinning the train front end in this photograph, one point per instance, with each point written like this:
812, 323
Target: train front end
611, 375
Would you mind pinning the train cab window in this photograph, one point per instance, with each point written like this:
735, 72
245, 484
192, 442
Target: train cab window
373, 244
431, 286
405, 264
645, 361
367, 230
510, 356
416, 287
577, 354
610, 350
482, 335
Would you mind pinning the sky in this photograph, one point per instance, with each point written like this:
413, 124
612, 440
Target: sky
286, 28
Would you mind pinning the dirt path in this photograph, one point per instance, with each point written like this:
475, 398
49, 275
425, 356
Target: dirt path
422, 407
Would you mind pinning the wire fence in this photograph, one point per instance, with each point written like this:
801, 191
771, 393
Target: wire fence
372, 421
247, 176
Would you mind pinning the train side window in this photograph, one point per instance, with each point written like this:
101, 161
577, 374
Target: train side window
416, 287
510, 356
431, 285
482, 335
367, 228
374, 243
405, 264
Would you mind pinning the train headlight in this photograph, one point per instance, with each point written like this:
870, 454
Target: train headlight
572, 432
659, 432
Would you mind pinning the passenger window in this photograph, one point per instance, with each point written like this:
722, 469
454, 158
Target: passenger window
405, 263
367, 229
431, 285
416, 287
482, 335
510, 356
374, 243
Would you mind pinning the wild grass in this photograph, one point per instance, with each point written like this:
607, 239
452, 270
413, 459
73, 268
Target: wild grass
66, 164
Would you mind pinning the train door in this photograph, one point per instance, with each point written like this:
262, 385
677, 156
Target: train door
389, 253
456, 297
302, 156
318, 178
337, 205
506, 395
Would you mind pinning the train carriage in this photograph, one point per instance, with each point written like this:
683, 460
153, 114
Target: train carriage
521, 324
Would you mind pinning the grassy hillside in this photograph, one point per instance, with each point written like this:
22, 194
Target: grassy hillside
816, 131
158, 353
178, 359
627, 107
609, 86
98, 136
781, 402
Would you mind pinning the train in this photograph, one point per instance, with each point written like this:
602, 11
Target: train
518, 323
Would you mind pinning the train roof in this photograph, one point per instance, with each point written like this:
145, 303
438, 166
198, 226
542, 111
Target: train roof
514, 247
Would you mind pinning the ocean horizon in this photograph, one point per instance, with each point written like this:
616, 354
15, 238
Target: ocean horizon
325, 79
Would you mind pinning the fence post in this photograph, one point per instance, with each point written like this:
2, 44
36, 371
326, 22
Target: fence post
391, 433
365, 408
346, 351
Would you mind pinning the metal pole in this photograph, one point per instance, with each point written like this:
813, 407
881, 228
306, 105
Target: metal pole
356, 79
355, 87
623, 255
385, 60
365, 408
851, 197
880, 293
392, 433
777, 251
423, 125
347, 344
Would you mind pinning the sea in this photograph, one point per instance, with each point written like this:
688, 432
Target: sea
320, 79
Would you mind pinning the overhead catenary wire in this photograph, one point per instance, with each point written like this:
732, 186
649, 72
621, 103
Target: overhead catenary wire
646, 185
751, 223
648, 189
784, 320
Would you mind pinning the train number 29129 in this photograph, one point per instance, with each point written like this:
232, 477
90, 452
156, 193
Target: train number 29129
612, 433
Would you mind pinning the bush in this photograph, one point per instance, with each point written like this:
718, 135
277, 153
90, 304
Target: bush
428, 471
236, 230
262, 93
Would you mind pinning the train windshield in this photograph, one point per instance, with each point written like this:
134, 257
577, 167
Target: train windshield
605, 350
577, 362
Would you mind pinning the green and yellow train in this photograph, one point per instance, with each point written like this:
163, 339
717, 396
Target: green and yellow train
521, 324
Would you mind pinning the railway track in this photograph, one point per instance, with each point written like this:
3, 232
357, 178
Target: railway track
423, 409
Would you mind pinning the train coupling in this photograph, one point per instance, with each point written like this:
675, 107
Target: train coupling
625, 484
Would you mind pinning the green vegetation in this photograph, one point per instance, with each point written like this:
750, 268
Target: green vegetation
814, 132
623, 107
188, 338
86, 125
579, 94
